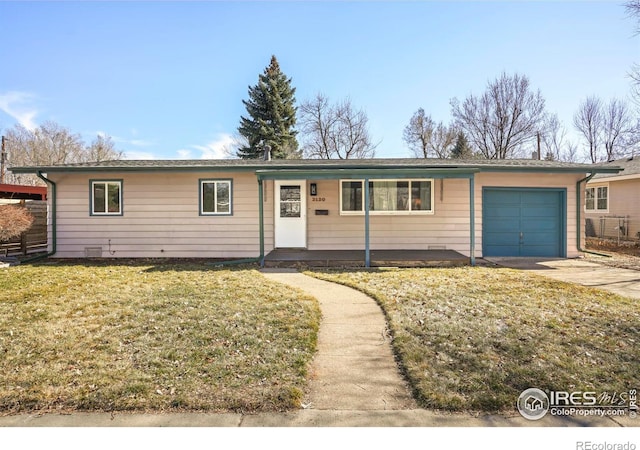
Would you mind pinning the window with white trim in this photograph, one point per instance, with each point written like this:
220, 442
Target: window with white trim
215, 197
106, 197
597, 198
387, 197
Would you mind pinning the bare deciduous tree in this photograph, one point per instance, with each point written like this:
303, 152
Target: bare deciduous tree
552, 139
443, 140
633, 10
51, 144
588, 121
635, 84
334, 131
418, 133
502, 120
102, 148
610, 126
427, 139
554, 143
618, 128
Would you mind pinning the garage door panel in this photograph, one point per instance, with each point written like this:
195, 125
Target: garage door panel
542, 251
504, 211
523, 222
497, 239
539, 211
505, 250
539, 239
532, 198
504, 226
504, 197
544, 224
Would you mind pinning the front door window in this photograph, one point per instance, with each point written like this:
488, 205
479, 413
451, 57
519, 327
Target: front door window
290, 201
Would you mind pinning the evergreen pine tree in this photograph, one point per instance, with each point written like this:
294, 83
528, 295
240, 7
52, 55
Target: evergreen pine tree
461, 150
271, 116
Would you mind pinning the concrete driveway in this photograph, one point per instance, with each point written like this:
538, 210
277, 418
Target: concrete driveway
580, 271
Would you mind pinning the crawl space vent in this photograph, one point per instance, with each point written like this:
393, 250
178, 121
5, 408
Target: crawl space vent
93, 252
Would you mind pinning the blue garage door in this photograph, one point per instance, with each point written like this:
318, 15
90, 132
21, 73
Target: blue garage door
523, 222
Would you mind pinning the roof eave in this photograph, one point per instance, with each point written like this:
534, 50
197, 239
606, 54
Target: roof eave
618, 177
320, 167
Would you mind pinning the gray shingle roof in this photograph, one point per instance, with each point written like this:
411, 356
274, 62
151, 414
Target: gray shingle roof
630, 166
307, 164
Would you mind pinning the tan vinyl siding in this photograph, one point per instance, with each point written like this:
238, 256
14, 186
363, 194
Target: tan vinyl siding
624, 201
447, 228
161, 218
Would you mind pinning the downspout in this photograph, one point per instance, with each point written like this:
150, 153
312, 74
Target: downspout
578, 209
367, 250
472, 219
261, 220
54, 233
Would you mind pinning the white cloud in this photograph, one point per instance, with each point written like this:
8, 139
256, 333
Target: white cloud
184, 154
220, 148
130, 142
17, 105
140, 142
140, 155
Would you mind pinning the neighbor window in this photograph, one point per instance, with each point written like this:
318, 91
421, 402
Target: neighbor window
215, 197
106, 198
387, 197
597, 198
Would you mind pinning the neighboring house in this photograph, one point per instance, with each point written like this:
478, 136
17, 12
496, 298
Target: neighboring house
612, 205
20, 192
247, 208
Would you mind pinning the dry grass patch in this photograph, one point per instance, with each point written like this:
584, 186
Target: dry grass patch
475, 338
151, 337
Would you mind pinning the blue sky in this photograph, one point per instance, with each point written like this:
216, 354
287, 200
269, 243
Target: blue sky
167, 79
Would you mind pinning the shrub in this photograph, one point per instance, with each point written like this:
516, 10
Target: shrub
14, 220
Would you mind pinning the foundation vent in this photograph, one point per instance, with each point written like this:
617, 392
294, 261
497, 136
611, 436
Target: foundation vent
93, 252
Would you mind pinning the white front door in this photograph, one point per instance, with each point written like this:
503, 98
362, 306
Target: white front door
290, 214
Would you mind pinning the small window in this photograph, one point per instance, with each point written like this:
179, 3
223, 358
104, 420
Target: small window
215, 197
597, 198
601, 198
351, 196
590, 199
388, 197
106, 198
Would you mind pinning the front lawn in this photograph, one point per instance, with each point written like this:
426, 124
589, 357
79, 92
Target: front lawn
151, 337
475, 338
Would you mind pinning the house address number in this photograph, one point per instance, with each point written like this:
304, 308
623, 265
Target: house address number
318, 199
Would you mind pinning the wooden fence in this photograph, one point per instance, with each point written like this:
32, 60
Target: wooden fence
35, 239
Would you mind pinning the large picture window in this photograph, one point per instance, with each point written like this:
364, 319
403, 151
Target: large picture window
597, 199
215, 197
106, 198
387, 197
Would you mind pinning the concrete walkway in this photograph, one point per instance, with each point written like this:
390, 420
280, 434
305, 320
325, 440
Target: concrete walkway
580, 271
354, 368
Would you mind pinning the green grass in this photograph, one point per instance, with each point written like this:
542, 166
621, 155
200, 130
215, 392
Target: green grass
151, 337
475, 338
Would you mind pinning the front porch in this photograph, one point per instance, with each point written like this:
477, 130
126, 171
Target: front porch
357, 258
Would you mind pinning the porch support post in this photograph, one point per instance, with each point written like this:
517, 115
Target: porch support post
472, 219
261, 220
367, 253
